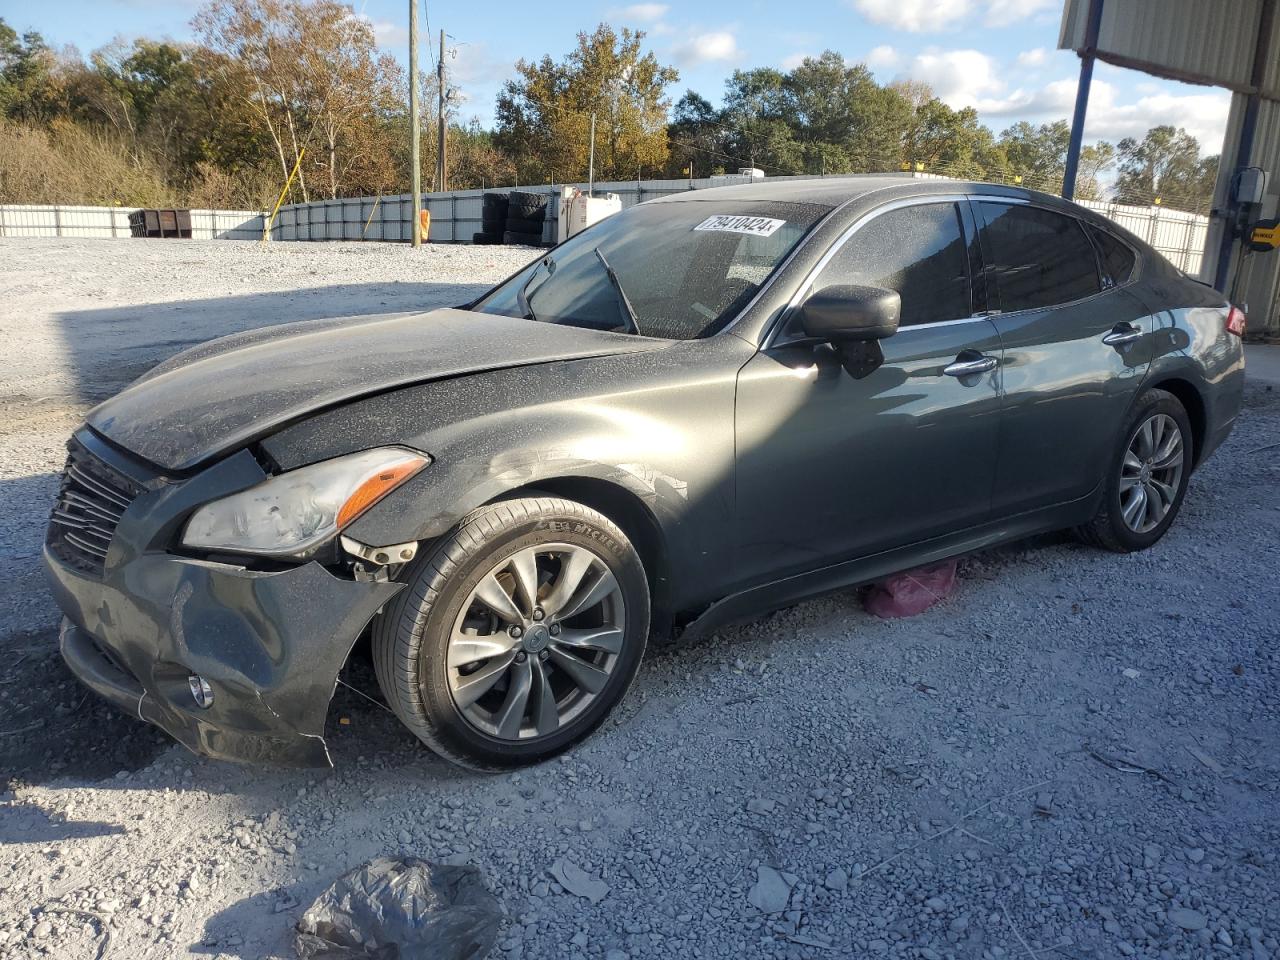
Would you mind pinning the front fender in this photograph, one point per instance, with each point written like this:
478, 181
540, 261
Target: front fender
658, 425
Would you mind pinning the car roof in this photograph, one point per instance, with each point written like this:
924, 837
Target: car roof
837, 191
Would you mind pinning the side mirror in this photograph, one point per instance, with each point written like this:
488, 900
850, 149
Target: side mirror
850, 313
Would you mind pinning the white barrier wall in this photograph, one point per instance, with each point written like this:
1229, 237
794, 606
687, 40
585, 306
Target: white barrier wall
1179, 235
107, 222
455, 216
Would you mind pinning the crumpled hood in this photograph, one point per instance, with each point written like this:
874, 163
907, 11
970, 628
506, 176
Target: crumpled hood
218, 396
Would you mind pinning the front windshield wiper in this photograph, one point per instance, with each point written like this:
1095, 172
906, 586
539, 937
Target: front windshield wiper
627, 310
522, 298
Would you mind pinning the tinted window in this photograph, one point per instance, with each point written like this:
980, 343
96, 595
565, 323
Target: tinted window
918, 251
1117, 259
1038, 258
687, 267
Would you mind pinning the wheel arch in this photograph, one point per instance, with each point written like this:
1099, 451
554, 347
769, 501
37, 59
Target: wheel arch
1189, 395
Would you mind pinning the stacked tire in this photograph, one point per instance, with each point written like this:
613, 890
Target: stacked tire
525, 215
493, 219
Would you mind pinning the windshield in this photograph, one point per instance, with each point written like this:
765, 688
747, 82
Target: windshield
684, 268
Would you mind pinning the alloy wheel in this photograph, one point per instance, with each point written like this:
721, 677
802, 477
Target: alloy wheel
1151, 473
536, 641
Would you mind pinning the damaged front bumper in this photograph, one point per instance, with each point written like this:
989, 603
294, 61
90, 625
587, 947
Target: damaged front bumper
269, 644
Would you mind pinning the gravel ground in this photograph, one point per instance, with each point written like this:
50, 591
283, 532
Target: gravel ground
1076, 755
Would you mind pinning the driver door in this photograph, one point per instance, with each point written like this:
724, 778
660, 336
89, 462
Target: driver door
832, 468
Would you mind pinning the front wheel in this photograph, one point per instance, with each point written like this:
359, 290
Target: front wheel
1147, 477
517, 634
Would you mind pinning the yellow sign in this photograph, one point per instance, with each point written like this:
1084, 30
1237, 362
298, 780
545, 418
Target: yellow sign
1265, 238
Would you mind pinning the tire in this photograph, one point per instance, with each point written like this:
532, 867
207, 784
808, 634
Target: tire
524, 224
1111, 527
439, 609
493, 210
521, 225
512, 238
486, 238
530, 207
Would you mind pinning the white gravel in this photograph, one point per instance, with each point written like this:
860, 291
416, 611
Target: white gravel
984, 780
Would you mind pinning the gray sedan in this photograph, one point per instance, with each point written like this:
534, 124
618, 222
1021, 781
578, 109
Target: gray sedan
702, 408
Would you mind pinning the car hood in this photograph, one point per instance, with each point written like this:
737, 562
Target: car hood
223, 394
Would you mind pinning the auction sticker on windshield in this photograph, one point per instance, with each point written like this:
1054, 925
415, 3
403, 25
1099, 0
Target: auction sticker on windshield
728, 223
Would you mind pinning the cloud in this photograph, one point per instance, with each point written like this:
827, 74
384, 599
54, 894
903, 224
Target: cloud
1001, 13
959, 78
719, 46
882, 56
1203, 115
387, 34
920, 16
642, 12
794, 60
971, 78
914, 16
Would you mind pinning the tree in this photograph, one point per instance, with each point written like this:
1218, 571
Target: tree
311, 75
759, 129
544, 114
1038, 154
1095, 160
474, 161
696, 137
32, 85
1166, 163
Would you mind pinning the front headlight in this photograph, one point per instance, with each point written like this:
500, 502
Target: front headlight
290, 514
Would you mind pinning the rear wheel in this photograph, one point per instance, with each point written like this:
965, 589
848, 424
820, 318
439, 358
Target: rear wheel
516, 635
1147, 477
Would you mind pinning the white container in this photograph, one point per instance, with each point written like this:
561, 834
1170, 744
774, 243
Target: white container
744, 175
575, 211
584, 210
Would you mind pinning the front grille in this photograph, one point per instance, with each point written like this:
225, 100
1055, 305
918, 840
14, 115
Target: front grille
92, 499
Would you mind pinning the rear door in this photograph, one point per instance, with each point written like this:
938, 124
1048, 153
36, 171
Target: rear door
833, 467
1076, 344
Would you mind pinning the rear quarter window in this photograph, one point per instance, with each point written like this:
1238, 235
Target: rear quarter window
1114, 255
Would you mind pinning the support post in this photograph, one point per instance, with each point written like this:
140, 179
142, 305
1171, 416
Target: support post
1087, 56
591, 159
415, 123
441, 177
1244, 146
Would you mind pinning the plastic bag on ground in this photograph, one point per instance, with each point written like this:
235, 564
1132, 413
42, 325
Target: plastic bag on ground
402, 909
914, 591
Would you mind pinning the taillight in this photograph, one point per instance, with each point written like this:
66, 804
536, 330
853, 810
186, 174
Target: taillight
1235, 321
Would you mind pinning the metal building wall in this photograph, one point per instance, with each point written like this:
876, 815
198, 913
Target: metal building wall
1196, 41
1255, 277
1207, 42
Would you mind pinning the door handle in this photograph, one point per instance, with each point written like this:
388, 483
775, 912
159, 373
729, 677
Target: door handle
1121, 334
971, 364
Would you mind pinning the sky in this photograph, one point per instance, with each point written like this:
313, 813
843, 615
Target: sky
998, 56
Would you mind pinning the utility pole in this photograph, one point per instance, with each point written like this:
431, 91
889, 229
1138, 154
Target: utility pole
591, 159
415, 130
440, 144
